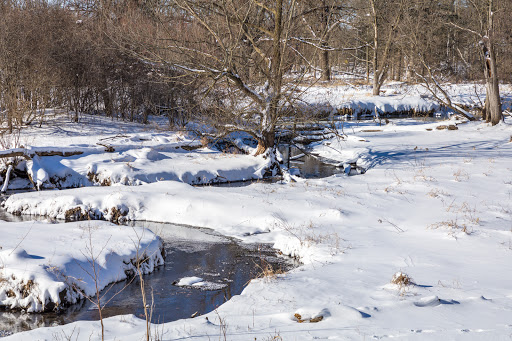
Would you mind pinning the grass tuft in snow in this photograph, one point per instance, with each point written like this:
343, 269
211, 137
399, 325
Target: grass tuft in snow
403, 281
267, 271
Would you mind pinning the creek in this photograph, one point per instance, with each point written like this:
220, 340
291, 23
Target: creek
224, 263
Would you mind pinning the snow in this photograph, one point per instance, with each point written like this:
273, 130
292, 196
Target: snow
45, 265
189, 281
139, 156
198, 282
434, 205
396, 97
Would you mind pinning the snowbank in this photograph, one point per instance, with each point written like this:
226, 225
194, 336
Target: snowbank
47, 266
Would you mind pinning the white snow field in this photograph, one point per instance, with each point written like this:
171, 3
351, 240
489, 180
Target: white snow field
433, 213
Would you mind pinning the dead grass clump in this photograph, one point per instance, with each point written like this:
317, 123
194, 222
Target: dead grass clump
118, 215
93, 177
267, 271
204, 141
316, 319
276, 337
76, 214
449, 127
437, 193
27, 289
298, 318
461, 175
402, 280
452, 225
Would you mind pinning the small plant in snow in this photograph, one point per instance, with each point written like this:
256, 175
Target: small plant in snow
402, 280
461, 175
267, 271
437, 193
308, 236
452, 225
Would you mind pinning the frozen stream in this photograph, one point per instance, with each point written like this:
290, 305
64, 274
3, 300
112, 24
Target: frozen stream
219, 260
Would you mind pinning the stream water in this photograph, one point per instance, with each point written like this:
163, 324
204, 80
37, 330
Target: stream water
219, 260
307, 165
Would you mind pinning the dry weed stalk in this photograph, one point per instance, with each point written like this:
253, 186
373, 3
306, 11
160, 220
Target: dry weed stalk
267, 271
308, 236
403, 281
461, 175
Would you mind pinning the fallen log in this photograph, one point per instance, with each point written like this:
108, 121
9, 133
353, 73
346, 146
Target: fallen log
30, 153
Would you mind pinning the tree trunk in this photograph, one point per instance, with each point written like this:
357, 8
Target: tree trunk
367, 64
326, 66
270, 112
377, 84
493, 111
266, 141
376, 69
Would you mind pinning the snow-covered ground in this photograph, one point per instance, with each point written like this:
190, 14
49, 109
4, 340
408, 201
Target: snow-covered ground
44, 266
434, 205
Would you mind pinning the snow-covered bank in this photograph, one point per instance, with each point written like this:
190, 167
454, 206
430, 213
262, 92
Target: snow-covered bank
119, 153
396, 98
434, 204
46, 266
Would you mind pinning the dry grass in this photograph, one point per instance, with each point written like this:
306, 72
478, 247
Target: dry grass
403, 281
308, 236
422, 176
275, 337
298, 318
437, 193
461, 175
452, 225
267, 271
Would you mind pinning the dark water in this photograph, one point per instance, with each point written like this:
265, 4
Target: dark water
190, 252
306, 165
299, 162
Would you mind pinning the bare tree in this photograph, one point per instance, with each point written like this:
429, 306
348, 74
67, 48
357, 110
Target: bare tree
385, 17
241, 50
493, 112
480, 19
320, 19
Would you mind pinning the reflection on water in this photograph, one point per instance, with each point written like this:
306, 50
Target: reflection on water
190, 252
307, 165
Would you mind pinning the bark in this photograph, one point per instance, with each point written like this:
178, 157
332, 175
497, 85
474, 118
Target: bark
270, 113
30, 153
326, 65
376, 69
381, 55
266, 141
493, 112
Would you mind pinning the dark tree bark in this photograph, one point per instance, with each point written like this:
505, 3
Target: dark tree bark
492, 112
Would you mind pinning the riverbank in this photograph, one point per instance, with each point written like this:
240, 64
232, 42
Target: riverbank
433, 205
